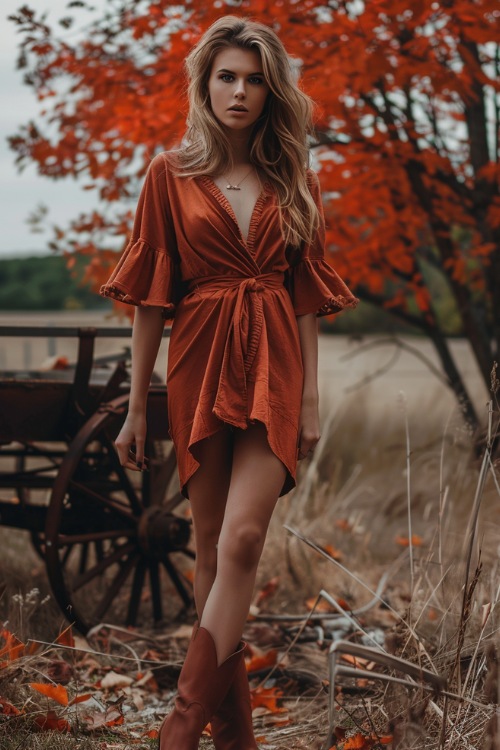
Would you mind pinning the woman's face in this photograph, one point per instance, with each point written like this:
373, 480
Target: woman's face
237, 87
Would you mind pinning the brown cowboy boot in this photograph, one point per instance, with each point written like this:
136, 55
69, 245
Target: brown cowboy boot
202, 687
231, 724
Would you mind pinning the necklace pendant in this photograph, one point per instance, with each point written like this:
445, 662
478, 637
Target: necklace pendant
232, 187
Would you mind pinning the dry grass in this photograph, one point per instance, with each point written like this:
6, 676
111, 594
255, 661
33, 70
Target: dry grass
370, 480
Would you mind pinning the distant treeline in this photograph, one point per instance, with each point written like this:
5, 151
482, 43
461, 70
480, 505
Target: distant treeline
45, 283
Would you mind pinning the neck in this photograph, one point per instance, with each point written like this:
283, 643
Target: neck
239, 146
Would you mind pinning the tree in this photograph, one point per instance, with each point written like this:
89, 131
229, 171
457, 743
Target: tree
407, 138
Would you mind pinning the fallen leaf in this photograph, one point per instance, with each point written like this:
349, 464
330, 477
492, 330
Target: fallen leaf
7, 709
332, 551
404, 541
356, 742
58, 693
358, 661
80, 699
325, 606
51, 723
267, 591
65, 637
13, 649
261, 662
97, 719
267, 698
113, 680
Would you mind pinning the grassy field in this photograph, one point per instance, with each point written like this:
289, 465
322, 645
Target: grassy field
400, 505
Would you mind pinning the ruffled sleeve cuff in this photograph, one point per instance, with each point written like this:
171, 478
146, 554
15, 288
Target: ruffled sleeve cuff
316, 288
144, 276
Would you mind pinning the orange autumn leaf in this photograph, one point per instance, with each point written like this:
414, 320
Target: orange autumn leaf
358, 661
80, 699
151, 734
7, 709
13, 648
65, 638
357, 742
325, 606
332, 551
404, 541
261, 662
267, 591
52, 723
57, 693
267, 698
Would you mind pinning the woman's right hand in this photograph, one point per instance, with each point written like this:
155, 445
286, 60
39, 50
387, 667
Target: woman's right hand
133, 432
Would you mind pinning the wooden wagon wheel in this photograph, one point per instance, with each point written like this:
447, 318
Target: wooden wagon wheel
113, 544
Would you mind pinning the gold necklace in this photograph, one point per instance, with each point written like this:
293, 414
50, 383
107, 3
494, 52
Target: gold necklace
230, 186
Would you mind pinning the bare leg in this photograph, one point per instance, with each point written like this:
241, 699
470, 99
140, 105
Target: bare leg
208, 488
256, 479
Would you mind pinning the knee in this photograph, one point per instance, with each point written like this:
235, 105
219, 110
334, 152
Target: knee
206, 547
242, 545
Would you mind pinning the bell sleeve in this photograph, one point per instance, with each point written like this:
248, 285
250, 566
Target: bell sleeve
147, 273
313, 284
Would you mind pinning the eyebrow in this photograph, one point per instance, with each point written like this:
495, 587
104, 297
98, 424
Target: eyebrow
225, 70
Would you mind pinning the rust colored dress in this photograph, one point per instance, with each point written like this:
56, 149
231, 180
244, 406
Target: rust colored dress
234, 354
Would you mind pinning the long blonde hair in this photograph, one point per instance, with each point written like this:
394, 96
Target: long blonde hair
278, 144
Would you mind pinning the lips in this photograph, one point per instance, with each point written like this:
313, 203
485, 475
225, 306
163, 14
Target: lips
238, 109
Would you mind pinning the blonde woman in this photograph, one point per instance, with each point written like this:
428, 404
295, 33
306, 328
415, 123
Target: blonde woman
228, 240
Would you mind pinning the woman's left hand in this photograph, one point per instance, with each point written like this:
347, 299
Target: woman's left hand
309, 433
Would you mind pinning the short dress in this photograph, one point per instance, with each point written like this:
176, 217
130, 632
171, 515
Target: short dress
234, 355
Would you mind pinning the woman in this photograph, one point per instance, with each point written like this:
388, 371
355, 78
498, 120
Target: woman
228, 240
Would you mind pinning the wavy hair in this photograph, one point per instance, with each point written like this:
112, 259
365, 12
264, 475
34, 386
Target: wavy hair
278, 143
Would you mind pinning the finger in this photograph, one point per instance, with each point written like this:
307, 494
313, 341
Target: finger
123, 452
139, 451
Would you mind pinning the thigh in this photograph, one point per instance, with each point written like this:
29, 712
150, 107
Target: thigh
209, 485
257, 477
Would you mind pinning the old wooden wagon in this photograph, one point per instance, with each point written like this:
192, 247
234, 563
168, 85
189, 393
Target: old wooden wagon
116, 543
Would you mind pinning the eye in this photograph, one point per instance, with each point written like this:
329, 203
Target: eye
226, 77
255, 79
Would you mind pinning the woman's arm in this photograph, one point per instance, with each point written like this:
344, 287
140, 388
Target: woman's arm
309, 433
147, 333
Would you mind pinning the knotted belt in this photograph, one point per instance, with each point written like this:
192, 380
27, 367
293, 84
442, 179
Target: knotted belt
243, 337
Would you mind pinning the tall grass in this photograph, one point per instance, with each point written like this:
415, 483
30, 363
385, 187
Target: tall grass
399, 497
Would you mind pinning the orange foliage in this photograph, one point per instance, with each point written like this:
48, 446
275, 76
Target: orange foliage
398, 183
404, 541
58, 693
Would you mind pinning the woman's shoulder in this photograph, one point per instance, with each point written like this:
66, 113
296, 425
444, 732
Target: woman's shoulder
166, 160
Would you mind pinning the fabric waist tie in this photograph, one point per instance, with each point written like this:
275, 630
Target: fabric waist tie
259, 283
242, 342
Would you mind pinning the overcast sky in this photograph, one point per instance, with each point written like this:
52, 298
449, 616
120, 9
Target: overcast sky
22, 193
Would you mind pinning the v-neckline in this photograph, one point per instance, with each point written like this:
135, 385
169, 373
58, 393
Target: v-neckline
247, 243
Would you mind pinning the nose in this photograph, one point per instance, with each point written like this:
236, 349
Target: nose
240, 91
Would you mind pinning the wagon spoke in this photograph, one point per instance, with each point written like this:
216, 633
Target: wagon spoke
101, 566
188, 552
154, 582
64, 539
174, 502
125, 482
66, 555
176, 580
115, 586
108, 502
99, 549
84, 556
135, 594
